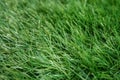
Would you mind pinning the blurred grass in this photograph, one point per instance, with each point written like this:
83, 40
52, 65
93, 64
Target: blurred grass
59, 40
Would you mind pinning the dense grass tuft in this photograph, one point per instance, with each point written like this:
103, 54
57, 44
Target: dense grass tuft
59, 40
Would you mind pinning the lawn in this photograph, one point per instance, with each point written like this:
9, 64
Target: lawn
59, 39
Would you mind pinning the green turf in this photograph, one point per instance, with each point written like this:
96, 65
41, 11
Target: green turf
59, 39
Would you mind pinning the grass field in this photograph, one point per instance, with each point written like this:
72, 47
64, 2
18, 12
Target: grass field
59, 39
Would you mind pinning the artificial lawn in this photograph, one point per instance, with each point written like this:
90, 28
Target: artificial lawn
59, 39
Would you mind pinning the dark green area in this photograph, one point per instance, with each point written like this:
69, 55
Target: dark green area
60, 40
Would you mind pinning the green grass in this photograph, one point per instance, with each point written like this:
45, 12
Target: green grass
59, 39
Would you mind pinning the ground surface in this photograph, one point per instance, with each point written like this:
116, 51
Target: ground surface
59, 39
